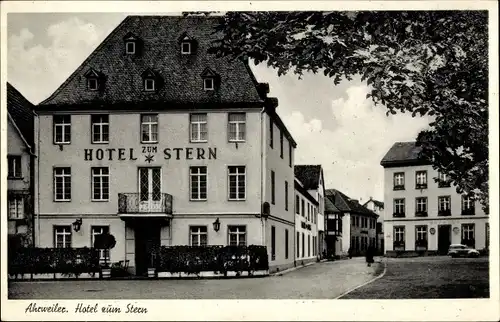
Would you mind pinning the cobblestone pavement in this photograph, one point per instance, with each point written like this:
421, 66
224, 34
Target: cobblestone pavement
325, 280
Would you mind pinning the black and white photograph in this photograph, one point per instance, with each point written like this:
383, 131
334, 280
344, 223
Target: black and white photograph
225, 151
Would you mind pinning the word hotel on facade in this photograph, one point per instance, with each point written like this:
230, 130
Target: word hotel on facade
164, 151
427, 215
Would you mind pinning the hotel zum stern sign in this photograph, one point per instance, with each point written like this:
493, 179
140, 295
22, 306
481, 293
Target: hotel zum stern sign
149, 153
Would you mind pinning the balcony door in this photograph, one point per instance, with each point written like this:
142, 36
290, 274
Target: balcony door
150, 190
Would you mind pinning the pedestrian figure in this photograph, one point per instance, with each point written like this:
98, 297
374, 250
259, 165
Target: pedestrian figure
350, 252
369, 256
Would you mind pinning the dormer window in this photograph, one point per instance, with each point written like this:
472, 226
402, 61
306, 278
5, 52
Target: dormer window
94, 80
151, 80
185, 48
187, 44
93, 84
210, 80
149, 84
133, 44
130, 47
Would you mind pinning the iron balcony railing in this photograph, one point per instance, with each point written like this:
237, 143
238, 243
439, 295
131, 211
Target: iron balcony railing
146, 203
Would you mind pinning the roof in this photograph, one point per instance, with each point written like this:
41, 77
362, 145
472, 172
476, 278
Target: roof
305, 193
330, 207
403, 153
377, 203
158, 51
308, 175
346, 204
21, 111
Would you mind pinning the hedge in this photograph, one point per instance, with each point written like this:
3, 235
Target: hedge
68, 261
218, 259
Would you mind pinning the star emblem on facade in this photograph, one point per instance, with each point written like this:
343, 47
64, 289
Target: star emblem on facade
150, 158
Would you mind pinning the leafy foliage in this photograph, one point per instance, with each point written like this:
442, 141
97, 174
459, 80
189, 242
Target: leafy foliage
423, 62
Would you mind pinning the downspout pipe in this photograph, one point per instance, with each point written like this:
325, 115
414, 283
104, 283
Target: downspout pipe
262, 176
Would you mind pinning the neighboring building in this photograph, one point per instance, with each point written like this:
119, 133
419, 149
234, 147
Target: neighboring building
333, 230
158, 142
306, 225
359, 223
426, 216
312, 179
20, 166
378, 208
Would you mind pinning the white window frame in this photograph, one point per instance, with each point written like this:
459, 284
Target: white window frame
102, 124
16, 207
238, 125
100, 173
208, 81
149, 81
399, 234
185, 52
468, 229
65, 231
399, 179
444, 201
65, 176
195, 127
421, 204
14, 163
104, 254
237, 175
421, 177
442, 177
238, 231
198, 231
93, 83
127, 51
63, 127
468, 203
150, 124
421, 231
199, 172
401, 203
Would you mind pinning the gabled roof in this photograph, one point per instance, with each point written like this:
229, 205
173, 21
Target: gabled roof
330, 207
403, 153
346, 204
377, 203
160, 52
21, 112
303, 191
308, 175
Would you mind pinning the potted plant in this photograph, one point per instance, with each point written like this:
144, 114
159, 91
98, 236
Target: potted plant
105, 241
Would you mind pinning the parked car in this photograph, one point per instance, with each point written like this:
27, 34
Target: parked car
459, 250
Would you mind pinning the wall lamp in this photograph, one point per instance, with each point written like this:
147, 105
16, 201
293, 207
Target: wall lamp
77, 224
216, 224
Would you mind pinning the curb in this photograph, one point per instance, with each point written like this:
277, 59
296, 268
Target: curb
366, 283
289, 270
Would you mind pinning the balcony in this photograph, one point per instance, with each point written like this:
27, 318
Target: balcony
145, 203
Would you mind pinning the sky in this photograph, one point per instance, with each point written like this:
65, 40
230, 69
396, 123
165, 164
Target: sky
335, 126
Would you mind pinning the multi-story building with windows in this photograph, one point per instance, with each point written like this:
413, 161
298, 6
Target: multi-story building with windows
20, 166
306, 225
359, 223
378, 208
160, 143
312, 179
427, 214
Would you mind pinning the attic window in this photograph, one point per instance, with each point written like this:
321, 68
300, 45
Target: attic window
186, 48
149, 84
208, 84
94, 80
130, 47
93, 84
210, 80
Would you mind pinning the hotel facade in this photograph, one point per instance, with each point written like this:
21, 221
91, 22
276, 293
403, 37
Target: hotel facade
160, 143
426, 216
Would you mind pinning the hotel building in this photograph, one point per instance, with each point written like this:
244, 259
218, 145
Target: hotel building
155, 140
427, 214
306, 225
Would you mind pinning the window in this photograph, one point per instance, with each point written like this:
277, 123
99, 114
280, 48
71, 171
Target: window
290, 152
286, 195
468, 235
303, 245
308, 211
208, 84
273, 187
399, 237
62, 236
186, 48
308, 246
16, 207
14, 166
468, 205
130, 47
421, 206
237, 235
421, 237
297, 205
271, 133
444, 203
399, 207
62, 184
286, 243
149, 128
98, 230
443, 180
273, 243
399, 181
198, 183
198, 124
237, 129
303, 208
100, 128
149, 84
93, 83
62, 129
298, 244
281, 144
237, 183
421, 180
100, 184
198, 235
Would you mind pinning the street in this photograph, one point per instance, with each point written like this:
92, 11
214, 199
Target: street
326, 280
429, 278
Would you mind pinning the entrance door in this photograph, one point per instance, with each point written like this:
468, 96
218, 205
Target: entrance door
150, 189
147, 239
444, 239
